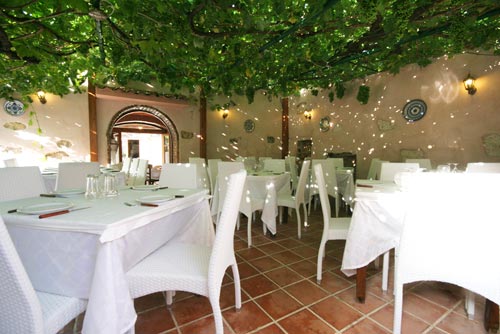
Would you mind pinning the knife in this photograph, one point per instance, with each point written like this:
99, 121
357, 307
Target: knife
57, 213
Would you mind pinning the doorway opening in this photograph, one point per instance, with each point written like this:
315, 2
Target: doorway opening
145, 132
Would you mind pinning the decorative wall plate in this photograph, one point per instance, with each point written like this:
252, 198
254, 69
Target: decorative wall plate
414, 110
324, 124
249, 125
14, 107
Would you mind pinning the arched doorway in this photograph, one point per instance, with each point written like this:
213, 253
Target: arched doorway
141, 119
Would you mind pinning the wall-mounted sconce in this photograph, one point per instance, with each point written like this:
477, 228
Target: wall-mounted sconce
41, 96
469, 84
308, 114
225, 113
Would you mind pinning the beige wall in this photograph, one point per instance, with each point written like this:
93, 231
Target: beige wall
65, 127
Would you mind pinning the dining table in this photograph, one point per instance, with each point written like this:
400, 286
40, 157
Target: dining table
376, 226
86, 253
261, 190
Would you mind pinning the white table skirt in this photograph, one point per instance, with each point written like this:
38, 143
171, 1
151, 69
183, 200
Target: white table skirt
61, 258
376, 224
262, 189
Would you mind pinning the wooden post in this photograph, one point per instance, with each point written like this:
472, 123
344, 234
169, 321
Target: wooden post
203, 125
92, 100
284, 127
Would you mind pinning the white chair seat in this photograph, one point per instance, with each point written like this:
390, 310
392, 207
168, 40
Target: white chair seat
59, 310
175, 266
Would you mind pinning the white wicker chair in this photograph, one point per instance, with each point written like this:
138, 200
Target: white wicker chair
138, 177
446, 238
20, 182
73, 175
483, 167
22, 309
330, 178
126, 165
333, 228
388, 170
194, 268
423, 163
294, 201
291, 166
179, 176
213, 170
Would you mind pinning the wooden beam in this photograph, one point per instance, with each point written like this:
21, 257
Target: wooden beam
92, 122
284, 127
203, 125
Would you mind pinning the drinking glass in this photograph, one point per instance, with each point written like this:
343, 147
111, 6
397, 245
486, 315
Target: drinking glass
110, 185
92, 189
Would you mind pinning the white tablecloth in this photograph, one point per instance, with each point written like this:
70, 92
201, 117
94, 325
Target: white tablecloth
376, 224
262, 188
345, 184
86, 253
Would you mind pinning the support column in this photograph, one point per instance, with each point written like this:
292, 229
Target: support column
92, 100
284, 127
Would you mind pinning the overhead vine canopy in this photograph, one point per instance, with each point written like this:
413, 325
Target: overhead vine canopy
230, 47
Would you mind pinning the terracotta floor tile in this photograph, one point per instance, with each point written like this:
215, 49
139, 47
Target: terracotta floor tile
305, 322
443, 294
227, 296
422, 308
409, 324
290, 243
202, 326
287, 257
456, 324
367, 326
250, 253
278, 304
154, 321
246, 270
305, 268
283, 276
332, 282
273, 329
271, 248
149, 301
247, 319
306, 292
306, 251
266, 263
370, 304
336, 312
190, 309
258, 285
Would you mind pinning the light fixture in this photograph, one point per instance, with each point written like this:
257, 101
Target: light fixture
41, 96
225, 113
469, 84
308, 114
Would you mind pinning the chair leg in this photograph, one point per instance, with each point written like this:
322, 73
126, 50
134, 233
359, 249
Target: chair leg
237, 287
238, 222
385, 271
281, 214
249, 231
219, 326
398, 309
169, 297
299, 223
337, 205
319, 265
470, 304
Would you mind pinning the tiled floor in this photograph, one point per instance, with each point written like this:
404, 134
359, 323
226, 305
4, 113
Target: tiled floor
280, 295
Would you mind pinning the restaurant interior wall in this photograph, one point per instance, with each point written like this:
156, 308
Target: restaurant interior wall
233, 136
64, 136
452, 129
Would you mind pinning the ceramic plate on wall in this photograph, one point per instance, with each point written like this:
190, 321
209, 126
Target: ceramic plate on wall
14, 107
249, 125
324, 124
414, 110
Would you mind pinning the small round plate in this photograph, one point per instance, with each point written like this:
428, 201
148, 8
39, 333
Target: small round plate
249, 125
14, 107
414, 110
38, 209
155, 199
324, 124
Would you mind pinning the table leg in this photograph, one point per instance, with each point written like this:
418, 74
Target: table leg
491, 320
285, 215
361, 284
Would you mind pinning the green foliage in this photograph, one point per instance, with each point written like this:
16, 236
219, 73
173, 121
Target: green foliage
339, 90
230, 47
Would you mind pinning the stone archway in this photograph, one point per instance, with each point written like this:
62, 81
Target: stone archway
159, 119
